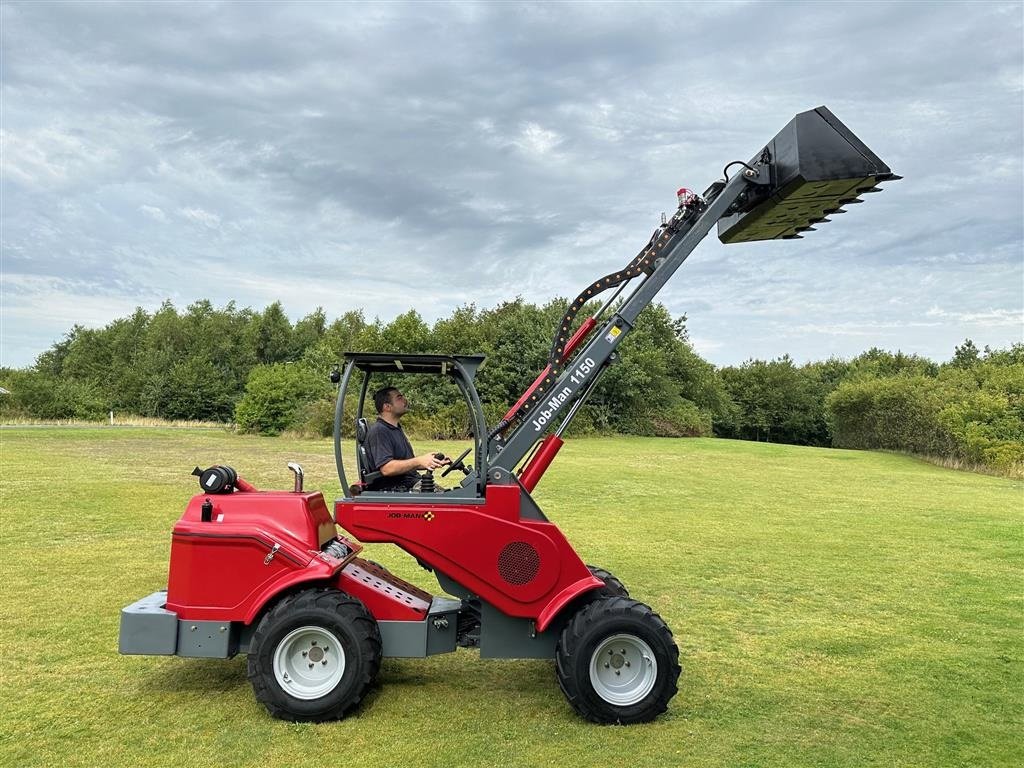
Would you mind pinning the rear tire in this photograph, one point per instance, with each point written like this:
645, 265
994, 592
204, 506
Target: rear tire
616, 662
314, 655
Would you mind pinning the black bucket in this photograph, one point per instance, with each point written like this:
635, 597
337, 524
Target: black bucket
817, 166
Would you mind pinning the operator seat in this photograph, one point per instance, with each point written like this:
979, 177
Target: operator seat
368, 473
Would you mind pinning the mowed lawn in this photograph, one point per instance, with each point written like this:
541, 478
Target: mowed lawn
831, 608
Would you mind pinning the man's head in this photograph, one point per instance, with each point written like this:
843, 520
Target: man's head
390, 402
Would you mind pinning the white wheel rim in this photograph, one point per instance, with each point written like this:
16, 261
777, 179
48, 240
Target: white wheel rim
309, 663
623, 670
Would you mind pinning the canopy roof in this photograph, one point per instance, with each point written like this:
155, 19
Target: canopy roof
436, 365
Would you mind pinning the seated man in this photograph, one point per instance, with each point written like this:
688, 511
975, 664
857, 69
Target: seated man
389, 448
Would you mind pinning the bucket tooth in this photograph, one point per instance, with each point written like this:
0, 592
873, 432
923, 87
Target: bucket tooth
851, 201
868, 190
792, 237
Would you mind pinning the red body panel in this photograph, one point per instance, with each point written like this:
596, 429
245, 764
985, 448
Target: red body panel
520, 566
258, 544
385, 595
221, 570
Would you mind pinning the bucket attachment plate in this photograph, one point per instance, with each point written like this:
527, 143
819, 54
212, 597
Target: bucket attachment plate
817, 166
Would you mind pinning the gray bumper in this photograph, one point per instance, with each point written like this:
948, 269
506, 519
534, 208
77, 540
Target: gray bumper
149, 628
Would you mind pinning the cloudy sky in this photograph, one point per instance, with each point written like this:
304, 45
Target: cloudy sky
427, 155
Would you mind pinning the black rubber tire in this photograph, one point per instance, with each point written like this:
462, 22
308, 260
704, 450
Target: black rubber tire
612, 586
356, 632
596, 622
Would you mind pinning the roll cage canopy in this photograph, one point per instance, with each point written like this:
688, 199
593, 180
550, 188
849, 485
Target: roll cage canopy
461, 369
437, 365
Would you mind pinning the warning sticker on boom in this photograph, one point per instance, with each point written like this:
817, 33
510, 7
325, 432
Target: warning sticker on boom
613, 333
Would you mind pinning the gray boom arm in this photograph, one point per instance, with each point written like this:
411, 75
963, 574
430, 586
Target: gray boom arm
582, 372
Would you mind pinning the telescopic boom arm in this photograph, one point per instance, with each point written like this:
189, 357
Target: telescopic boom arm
813, 167
562, 386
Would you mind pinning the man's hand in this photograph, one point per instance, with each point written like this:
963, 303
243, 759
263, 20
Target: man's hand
430, 461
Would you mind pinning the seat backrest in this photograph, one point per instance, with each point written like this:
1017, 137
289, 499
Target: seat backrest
367, 471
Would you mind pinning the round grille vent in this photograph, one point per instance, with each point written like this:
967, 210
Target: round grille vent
518, 563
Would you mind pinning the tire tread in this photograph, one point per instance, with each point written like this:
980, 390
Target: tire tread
346, 608
572, 671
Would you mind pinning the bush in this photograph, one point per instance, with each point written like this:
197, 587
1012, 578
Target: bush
449, 422
315, 418
275, 396
987, 419
682, 420
970, 413
899, 413
36, 395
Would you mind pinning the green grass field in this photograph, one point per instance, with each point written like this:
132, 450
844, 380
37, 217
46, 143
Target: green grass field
831, 608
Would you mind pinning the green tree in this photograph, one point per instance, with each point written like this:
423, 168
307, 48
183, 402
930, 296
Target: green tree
965, 355
308, 332
407, 333
878, 362
1014, 355
270, 335
775, 401
339, 337
199, 390
164, 346
462, 333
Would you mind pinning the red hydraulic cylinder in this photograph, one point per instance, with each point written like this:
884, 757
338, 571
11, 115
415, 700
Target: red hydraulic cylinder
526, 395
581, 333
540, 462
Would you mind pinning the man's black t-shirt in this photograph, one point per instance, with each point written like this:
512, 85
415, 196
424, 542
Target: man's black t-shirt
385, 443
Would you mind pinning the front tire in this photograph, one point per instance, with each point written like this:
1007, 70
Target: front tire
612, 586
616, 662
314, 655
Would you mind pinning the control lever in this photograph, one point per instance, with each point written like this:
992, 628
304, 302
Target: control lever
427, 484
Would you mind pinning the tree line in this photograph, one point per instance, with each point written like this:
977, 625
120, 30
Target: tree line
260, 371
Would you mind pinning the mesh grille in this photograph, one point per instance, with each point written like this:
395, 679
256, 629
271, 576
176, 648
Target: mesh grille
518, 563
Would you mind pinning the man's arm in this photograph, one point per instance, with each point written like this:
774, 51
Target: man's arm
401, 466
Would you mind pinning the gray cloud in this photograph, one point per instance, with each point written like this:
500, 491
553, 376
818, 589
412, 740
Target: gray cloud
394, 155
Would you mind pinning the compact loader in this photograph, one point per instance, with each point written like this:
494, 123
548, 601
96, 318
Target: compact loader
269, 574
